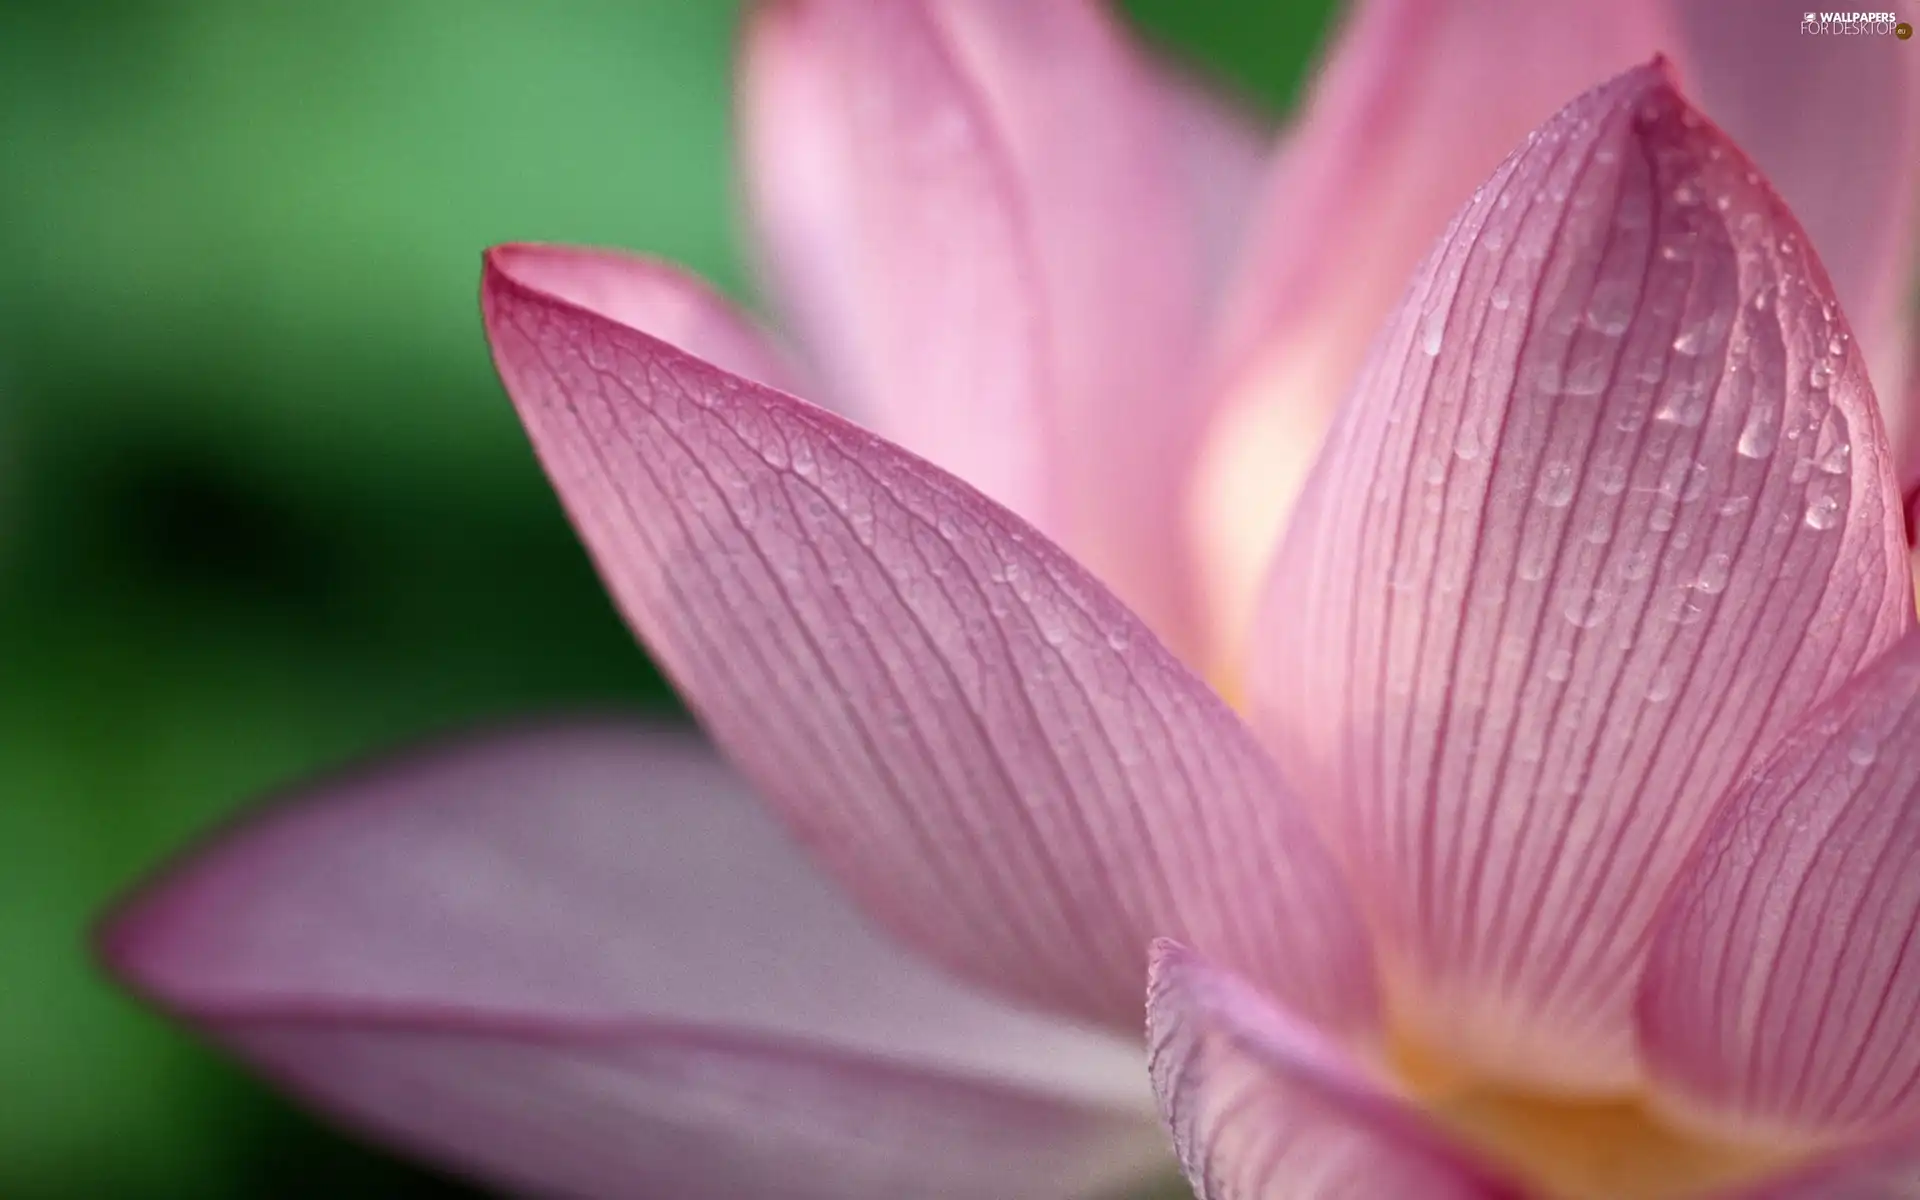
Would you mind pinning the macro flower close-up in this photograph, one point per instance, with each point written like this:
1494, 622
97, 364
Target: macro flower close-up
1416, 610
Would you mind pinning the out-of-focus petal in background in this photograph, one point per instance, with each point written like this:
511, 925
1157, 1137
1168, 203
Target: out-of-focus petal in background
263, 507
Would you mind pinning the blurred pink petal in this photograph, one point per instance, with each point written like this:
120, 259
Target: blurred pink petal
662, 300
889, 215
985, 745
1224, 154
1834, 121
583, 960
1417, 105
980, 214
1263, 1107
1611, 510
1783, 989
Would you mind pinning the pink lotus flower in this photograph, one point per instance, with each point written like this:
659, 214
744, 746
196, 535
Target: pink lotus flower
1566, 851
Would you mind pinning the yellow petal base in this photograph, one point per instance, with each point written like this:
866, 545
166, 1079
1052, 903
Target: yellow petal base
1578, 1149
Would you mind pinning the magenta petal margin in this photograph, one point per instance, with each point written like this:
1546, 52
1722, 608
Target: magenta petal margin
580, 959
1263, 1107
1614, 510
979, 740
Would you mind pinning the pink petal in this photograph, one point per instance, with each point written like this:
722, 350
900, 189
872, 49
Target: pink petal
1417, 105
992, 752
660, 299
979, 213
584, 960
1225, 154
1262, 1107
1834, 121
1783, 988
1908, 417
1611, 509
888, 215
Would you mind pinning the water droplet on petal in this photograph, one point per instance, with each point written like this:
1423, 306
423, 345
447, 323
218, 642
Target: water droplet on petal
1714, 574
1864, 748
1587, 607
1757, 438
1823, 513
1466, 444
1588, 376
1660, 687
1560, 665
1556, 485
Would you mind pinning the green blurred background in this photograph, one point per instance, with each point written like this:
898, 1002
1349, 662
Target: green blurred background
263, 507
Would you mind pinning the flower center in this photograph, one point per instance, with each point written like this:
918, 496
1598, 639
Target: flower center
1577, 1148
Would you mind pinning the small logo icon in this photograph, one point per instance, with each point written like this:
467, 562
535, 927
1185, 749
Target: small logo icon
1903, 31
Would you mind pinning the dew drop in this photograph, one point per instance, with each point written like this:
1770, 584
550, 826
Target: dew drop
1823, 513
1683, 480
1714, 574
1690, 340
1560, 665
1661, 519
1685, 406
1864, 748
1758, 437
1610, 308
800, 458
1611, 479
1834, 461
1588, 377
1556, 485
1637, 565
1733, 506
1587, 607
1820, 374
1431, 330
1660, 687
